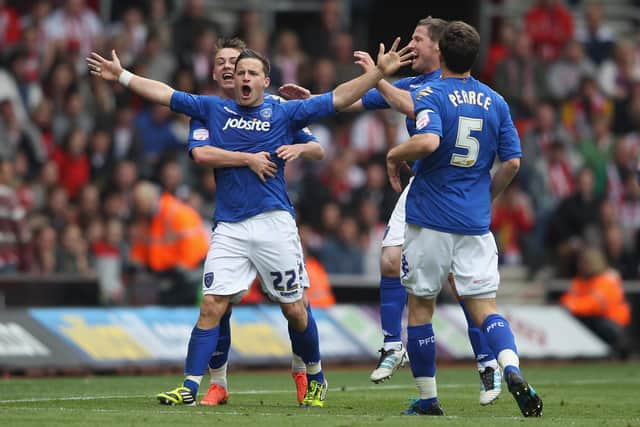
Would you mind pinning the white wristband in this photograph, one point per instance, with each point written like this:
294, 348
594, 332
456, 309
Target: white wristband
125, 78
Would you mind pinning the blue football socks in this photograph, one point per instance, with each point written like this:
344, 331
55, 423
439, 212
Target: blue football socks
221, 354
393, 298
306, 345
201, 346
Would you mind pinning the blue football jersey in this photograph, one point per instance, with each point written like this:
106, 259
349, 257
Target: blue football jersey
199, 134
240, 193
451, 190
373, 99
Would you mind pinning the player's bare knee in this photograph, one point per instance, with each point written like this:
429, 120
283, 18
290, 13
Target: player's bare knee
390, 261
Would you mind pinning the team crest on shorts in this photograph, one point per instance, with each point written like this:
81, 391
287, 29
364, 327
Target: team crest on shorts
266, 113
208, 280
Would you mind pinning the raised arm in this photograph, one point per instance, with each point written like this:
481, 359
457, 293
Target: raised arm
151, 90
397, 98
388, 63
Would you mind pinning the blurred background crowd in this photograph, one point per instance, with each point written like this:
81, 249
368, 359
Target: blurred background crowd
73, 147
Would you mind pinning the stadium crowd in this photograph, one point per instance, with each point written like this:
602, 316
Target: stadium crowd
73, 149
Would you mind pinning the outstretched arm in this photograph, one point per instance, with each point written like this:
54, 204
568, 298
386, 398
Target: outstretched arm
152, 90
388, 63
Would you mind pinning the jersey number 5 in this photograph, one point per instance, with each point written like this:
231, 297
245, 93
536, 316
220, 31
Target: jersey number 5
466, 141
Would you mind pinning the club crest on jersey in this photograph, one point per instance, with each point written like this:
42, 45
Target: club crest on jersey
201, 134
266, 113
208, 280
423, 118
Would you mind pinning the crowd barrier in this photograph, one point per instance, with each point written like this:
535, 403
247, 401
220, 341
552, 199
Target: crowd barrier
114, 338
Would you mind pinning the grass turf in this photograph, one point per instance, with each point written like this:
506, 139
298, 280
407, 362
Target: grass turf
576, 394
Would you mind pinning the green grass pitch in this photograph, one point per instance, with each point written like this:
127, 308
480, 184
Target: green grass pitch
574, 394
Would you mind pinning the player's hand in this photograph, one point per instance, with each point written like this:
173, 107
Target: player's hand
289, 152
364, 60
261, 164
393, 170
391, 61
293, 91
101, 67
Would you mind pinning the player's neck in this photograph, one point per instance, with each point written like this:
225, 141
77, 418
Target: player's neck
446, 73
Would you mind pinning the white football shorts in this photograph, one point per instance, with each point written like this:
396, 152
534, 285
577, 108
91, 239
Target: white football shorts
429, 255
267, 245
394, 233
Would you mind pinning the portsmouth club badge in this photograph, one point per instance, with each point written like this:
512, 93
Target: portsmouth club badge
266, 113
208, 280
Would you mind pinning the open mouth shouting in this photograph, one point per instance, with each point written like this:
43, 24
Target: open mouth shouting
227, 77
245, 91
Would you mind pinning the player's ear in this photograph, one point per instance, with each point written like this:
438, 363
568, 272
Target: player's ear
267, 82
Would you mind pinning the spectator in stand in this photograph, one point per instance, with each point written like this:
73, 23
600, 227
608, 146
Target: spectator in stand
617, 74
319, 292
75, 257
579, 111
74, 30
597, 299
127, 142
171, 243
200, 59
498, 50
155, 127
10, 28
323, 75
550, 25
191, 22
46, 251
566, 73
73, 116
28, 87
346, 69
59, 83
159, 63
621, 258
132, 29
73, 162
108, 255
318, 37
597, 152
574, 224
171, 180
101, 158
289, 58
520, 78
629, 210
512, 219
376, 189
42, 119
47, 178
596, 36
15, 235
341, 254
17, 135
